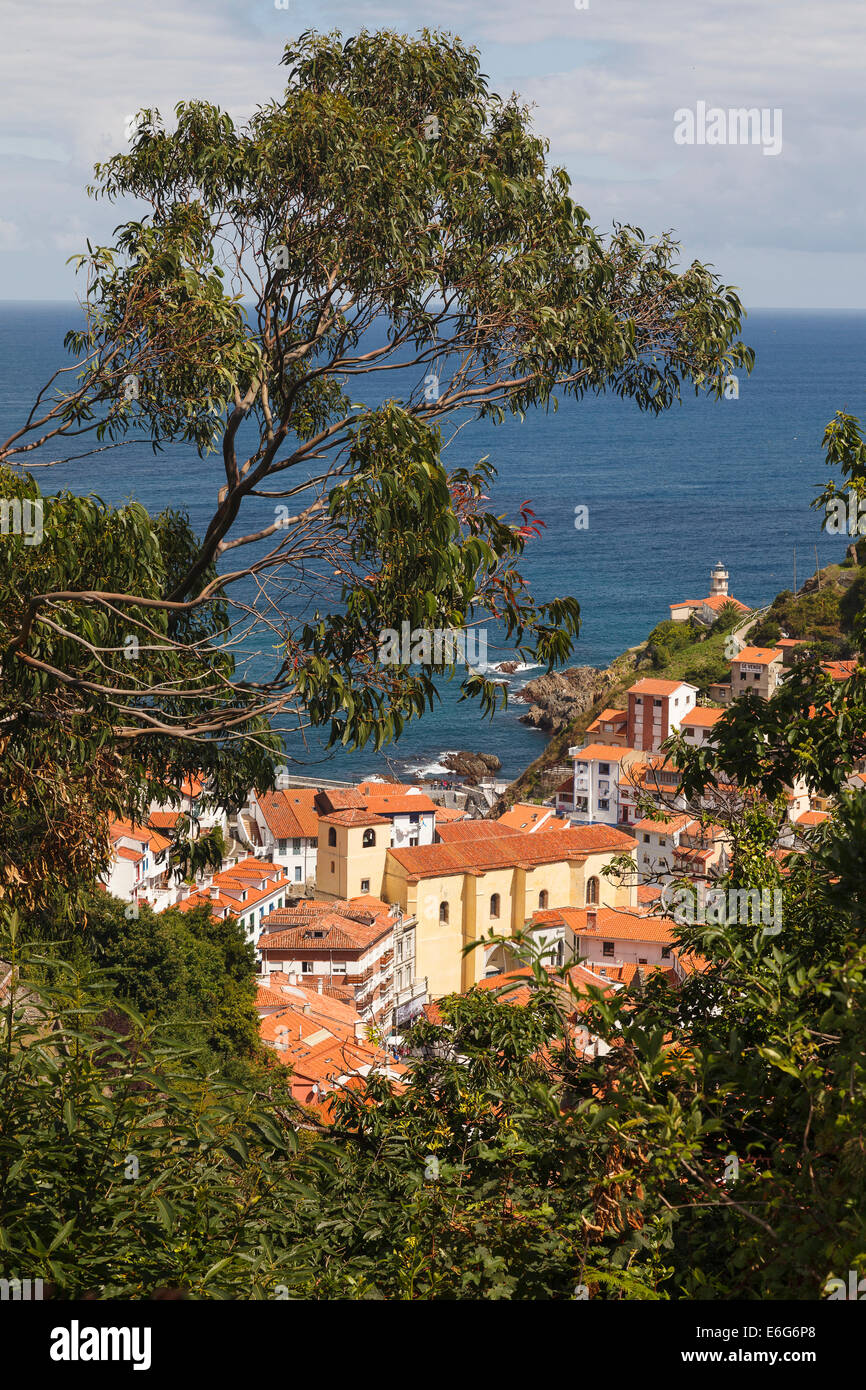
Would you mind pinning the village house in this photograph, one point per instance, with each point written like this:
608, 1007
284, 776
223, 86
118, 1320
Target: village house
249, 890
601, 936
283, 827
655, 709
678, 846
610, 727
758, 669
139, 869
365, 949
598, 778
698, 725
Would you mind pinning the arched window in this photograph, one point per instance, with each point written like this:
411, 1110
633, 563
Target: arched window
443, 912
332, 835
592, 890
369, 839
494, 905
542, 898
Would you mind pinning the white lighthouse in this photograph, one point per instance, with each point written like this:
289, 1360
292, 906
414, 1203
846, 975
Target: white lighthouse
719, 581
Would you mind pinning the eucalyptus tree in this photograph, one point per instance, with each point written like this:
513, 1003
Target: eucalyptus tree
388, 220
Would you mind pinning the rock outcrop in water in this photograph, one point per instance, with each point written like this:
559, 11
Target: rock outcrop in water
472, 767
558, 698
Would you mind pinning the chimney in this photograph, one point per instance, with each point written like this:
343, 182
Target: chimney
214, 890
591, 918
360, 1031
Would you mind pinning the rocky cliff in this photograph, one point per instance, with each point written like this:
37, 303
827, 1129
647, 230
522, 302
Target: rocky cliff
558, 698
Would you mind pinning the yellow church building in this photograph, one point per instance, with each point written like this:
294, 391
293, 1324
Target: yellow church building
481, 878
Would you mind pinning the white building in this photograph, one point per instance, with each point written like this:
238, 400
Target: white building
283, 827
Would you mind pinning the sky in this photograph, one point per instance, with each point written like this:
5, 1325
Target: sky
607, 82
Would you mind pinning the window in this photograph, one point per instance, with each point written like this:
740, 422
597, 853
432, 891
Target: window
662, 842
365, 885
281, 846
607, 949
690, 733
369, 839
604, 769
646, 838
592, 890
296, 846
641, 960
413, 840
414, 818
306, 967
657, 704
443, 912
332, 866
494, 905
542, 898
603, 805
332, 835
339, 967
298, 872
666, 951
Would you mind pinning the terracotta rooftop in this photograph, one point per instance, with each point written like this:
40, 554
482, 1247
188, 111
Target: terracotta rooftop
458, 832
648, 686
530, 849
613, 925
291, 814
354, 816
758, 656
701, 717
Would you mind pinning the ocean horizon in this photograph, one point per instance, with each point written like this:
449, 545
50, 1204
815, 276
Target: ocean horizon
666, 497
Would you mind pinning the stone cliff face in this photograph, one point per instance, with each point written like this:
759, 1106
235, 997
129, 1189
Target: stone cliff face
558, 698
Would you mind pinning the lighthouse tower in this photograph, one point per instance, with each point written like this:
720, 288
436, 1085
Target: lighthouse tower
719, 580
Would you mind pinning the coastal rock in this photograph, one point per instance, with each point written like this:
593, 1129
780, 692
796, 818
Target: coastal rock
472, 767
557, 698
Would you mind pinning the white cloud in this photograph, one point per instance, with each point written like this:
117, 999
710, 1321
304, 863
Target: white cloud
605, 82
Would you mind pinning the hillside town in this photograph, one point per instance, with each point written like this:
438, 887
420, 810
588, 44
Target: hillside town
360, 901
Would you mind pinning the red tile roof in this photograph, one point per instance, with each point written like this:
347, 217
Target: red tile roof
603, 752
354, 816
291, 814
458, 832
531, 850
615, 925
649, 686
701, 717
758, 656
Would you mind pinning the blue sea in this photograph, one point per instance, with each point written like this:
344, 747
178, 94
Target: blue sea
667, 497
